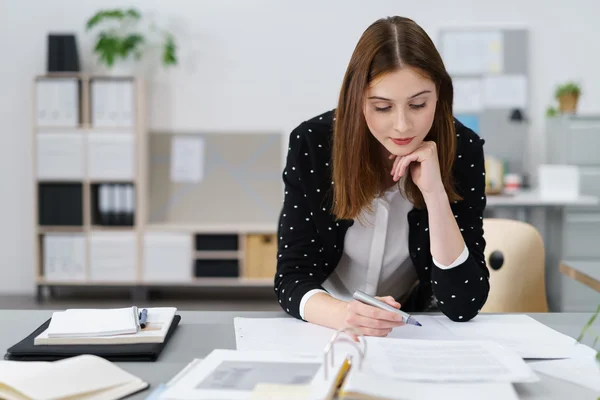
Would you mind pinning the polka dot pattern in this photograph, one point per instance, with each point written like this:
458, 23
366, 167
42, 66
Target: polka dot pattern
310, 248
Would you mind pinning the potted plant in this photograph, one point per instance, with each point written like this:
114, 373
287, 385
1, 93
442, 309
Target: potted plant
568, 95
121, 42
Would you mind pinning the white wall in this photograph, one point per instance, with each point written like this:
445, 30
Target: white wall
256, 65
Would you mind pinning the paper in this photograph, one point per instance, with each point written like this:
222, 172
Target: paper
472, 53
60, 156
90, 322
470, 121
75, 377
583, 371
111, 156
468, 93
377, 386
505, 91
187, 159
445, 361
520, 333
305, 338
528, 338
230, 374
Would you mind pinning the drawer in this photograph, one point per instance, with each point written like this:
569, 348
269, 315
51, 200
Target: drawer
581, 235
216, 268
583, 146
260, 256
227, 242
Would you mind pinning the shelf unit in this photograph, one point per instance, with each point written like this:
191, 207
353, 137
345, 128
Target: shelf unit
204, 255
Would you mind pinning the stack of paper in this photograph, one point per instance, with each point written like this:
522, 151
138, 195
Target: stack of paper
90, 323
110, 326
83, 377
520, 333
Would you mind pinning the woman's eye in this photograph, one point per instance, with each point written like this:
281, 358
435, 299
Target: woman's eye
383, 109
417, 106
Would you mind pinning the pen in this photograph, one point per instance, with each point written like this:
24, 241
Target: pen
372, 301
143, 318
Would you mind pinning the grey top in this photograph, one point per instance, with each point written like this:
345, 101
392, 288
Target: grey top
201, 331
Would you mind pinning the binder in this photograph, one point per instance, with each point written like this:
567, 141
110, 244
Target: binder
25, 350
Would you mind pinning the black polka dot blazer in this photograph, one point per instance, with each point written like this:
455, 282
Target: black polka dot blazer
311, 240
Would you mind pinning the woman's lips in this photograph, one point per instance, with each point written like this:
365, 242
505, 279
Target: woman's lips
402, 141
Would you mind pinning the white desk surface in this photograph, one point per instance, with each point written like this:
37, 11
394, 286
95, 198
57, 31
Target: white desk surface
200, 332
533, 198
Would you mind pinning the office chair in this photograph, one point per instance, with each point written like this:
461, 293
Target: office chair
515, 257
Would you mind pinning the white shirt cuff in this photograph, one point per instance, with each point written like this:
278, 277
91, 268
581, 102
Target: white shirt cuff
461, 259
305, 298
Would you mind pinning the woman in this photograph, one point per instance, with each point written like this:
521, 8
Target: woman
384, 194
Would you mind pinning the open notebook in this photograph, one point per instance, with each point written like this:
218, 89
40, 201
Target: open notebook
106, 326
83, 377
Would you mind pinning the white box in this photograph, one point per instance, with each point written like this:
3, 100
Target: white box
60, 156
559, 181
111, 156
113, 256
64, 257
167, 257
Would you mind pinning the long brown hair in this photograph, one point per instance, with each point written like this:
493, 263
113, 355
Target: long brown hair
359, 171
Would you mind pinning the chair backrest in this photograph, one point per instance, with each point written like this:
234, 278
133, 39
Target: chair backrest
515, 257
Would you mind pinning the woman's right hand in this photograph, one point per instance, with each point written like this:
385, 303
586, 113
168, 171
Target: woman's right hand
373, 321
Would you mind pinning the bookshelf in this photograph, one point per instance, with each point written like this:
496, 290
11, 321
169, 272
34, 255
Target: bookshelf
91, 150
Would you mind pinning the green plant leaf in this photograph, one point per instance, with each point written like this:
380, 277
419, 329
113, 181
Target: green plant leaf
130, 44
133, 13
114, 14
170, 52
588, 324
568, 88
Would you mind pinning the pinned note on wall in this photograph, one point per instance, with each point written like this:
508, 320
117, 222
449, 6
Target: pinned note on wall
467, 95
476, 52
187, 159
505, 91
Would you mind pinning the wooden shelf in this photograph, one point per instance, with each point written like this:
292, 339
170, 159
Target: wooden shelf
201, 282
108, 228
218, 255
215, 228
54, 229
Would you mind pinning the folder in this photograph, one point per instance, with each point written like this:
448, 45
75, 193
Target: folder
26, 350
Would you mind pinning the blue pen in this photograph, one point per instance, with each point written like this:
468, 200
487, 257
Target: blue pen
143, 318
372, 301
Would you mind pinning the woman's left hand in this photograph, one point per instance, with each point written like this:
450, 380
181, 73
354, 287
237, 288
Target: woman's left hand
424, 168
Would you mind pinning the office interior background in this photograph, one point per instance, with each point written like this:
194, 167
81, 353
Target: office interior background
207, 140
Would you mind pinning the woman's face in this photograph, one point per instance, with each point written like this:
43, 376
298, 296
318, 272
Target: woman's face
399, 109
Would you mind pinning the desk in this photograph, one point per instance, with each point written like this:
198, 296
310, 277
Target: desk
200, 332
551, 229
587, 274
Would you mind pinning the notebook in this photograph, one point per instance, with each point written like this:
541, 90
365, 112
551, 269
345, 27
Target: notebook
94, 322
83, 377
111, 326
26, 350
